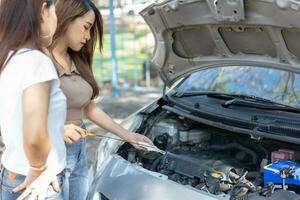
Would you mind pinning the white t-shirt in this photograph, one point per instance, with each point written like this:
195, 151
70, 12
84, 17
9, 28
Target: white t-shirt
27, 68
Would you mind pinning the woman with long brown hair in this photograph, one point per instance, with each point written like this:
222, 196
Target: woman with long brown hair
32, 105
80, 26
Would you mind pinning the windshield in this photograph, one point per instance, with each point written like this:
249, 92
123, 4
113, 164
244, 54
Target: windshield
273, 84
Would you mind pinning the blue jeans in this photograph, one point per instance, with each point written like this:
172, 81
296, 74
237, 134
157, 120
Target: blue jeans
7, 184
76, 183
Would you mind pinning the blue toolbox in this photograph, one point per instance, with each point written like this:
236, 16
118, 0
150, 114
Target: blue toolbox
282, 173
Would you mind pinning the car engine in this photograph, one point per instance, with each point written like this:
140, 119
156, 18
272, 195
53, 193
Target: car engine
207, 159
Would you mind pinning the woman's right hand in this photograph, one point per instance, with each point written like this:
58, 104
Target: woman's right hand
73, 133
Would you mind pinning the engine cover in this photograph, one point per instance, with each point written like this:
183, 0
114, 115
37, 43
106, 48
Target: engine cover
194, 164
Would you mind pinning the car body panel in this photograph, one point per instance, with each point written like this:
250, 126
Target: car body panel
196, 34
123, 180
193, 35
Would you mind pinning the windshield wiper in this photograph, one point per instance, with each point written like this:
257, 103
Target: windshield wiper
261, 105
241, 100
217, 95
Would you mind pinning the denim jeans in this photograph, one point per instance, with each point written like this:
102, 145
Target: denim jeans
7, 184
76, 183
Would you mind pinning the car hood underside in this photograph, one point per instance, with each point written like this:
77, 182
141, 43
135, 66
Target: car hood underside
197, 34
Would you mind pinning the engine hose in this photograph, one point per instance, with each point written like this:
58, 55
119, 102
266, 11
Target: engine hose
155, 163
264, 151
253, 174
234, 146
239, 192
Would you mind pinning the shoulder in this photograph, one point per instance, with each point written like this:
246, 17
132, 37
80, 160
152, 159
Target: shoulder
34, 60
34, 56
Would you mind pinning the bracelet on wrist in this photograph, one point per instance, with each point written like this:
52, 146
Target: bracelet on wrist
38, 169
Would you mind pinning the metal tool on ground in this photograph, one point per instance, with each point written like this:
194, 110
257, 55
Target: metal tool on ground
146, 146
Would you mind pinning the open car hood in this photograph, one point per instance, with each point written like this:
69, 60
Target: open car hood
196, 34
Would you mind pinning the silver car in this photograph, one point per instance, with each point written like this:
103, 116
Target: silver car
230, 122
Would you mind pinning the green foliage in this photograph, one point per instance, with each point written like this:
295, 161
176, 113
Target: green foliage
131, 54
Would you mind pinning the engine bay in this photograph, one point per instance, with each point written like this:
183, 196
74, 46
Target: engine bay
217, 161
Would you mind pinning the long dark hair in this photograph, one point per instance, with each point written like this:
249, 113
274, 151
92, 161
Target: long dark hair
67, 11
19, 23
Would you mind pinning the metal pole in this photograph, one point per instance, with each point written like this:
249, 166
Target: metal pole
123, 40
148, 65
112, 31
148, 73
136, 73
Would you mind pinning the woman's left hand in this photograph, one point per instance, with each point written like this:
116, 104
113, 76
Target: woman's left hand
134, 138
38, 188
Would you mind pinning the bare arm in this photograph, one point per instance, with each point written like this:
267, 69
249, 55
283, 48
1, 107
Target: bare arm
96, 115
36, 140
100, 118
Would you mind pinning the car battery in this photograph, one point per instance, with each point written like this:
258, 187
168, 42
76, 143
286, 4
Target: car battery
282, 173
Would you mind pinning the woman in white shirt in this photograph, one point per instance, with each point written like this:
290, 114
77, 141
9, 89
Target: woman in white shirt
32, 106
